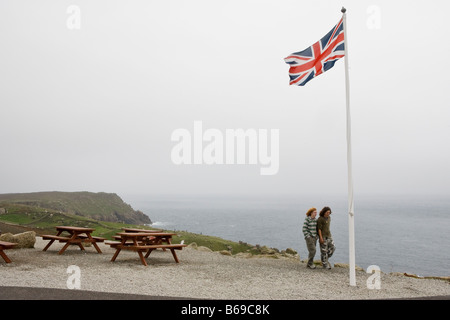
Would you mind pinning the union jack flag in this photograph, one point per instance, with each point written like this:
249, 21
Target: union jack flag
320, 57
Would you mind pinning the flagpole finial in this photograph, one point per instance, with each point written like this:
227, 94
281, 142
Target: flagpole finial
343, 10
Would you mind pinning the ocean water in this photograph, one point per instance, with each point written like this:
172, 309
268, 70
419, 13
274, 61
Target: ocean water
397, 233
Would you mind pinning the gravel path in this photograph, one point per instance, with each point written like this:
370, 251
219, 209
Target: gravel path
203, 275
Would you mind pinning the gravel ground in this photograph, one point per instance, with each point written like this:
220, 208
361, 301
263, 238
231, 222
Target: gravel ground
203, 275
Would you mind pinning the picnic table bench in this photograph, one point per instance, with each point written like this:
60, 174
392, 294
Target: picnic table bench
4, 245
141, 242
77, 235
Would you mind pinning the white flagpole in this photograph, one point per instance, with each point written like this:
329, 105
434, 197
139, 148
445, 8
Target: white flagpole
351, 222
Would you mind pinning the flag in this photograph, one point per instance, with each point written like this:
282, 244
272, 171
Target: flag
320, 57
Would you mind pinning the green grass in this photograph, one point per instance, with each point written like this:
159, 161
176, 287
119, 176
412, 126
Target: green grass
44, 220
214, 243
16, 218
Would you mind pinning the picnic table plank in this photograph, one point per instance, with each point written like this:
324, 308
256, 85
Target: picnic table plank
144, 234
71, 228
139, 230
49, 237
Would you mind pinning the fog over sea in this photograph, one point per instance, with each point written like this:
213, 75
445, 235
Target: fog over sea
397, 233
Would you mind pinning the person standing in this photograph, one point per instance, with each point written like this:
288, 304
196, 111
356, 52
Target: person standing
326, 243
310, 232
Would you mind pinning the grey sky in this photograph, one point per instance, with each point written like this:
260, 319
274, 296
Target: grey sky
93, 109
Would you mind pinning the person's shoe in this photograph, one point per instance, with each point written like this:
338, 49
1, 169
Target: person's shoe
327, 266
311, 266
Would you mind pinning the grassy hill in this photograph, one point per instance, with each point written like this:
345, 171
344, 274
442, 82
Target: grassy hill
43, 221
99, 206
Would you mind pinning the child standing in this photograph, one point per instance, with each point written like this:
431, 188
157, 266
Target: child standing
310, 233
327, 247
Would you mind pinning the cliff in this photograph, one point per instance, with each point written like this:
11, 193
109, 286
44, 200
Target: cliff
100, 206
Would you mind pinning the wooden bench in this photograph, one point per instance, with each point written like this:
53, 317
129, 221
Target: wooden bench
144, 248
131, 246
4, 246
81, 239
53, 237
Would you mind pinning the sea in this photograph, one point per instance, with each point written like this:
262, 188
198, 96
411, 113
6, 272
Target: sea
397, 233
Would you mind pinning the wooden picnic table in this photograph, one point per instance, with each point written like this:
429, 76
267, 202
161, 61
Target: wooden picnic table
3, 246
77, 235
141, 242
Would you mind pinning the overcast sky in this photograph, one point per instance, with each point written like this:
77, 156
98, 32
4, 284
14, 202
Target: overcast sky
94, 108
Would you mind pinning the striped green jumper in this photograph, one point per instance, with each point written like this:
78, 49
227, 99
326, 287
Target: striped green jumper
310, 227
